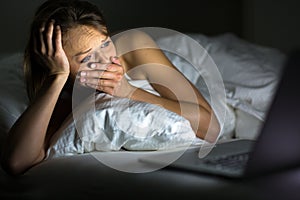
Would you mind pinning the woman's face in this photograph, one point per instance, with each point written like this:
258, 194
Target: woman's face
83, 45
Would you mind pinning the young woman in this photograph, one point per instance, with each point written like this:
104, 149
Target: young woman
63, 35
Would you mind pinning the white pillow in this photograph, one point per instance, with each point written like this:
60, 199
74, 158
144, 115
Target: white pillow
117, 123
250, 73
13, 100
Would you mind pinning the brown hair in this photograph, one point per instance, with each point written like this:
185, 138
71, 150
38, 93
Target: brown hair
67, 14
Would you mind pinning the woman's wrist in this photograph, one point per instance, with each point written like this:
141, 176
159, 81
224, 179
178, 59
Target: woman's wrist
59, 77
56, 80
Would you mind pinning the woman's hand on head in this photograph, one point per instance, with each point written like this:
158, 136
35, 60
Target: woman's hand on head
108, 78
48, 48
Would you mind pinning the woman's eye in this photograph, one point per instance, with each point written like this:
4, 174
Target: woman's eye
86, 59
105, 44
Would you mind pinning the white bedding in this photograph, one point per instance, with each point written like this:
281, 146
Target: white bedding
250, 73
106, 123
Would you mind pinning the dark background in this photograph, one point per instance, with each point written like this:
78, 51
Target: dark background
265, 22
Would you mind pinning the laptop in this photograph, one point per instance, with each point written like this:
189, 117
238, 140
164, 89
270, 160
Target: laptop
276, 148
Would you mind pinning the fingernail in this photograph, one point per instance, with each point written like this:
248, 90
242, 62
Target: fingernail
82, 73
82, 80
93, 65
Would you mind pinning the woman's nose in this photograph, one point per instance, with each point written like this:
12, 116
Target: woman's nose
101, 57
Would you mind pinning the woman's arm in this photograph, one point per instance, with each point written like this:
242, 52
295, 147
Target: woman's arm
26, 141
25, 145
177, 94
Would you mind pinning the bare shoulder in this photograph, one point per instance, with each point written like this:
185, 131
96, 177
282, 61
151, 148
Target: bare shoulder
132, 40
139, 50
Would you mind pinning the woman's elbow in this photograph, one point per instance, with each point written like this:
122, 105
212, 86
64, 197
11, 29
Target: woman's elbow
211, 132
15, 165
12, 166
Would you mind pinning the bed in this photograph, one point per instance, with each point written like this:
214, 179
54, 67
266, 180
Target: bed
250, 74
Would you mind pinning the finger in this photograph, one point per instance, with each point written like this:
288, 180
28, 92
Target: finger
91, 81
100, 66
106, 83
112, 75
49, 36
58, 43
43, 47
98, 81
115, 68
90, 86
100, 74
91, 74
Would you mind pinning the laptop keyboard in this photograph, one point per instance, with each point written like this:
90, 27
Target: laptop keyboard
236, 162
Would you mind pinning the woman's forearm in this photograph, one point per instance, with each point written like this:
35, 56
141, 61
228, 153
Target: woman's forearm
24, 146
202, 119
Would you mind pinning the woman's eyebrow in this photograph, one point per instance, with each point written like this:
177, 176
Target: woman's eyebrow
83, 52
105, 39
